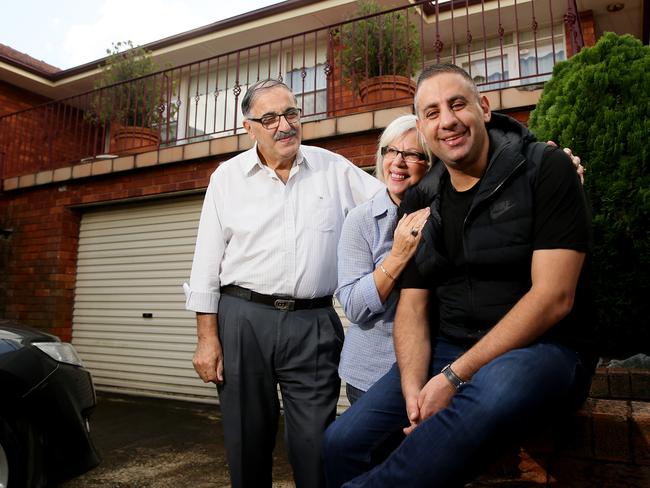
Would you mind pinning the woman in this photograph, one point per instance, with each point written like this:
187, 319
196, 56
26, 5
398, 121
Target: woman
373, 251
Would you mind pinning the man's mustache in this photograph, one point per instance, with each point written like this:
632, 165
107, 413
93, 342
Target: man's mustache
281, 135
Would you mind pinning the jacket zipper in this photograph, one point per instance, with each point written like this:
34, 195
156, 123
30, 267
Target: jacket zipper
487, 197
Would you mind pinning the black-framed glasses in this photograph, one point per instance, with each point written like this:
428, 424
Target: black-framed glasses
391, 153
272, 120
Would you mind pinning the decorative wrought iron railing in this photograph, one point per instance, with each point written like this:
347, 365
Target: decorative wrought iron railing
502, 44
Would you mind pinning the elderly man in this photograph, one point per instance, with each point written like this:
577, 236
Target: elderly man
492, 328
262, 280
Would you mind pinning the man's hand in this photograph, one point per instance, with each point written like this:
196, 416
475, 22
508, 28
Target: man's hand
208, 360
435, 396
413, 412
208, 357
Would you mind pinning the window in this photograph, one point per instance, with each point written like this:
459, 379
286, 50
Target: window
310, 87
494, 66
211, 106
540, 60
496, 69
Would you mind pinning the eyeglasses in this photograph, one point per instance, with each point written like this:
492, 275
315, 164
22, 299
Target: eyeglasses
272, 120
391, 153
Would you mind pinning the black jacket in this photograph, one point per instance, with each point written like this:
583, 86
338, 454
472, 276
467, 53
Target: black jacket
497, 236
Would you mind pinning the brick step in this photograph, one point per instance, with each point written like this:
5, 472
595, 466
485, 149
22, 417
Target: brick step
621, 383
605, 444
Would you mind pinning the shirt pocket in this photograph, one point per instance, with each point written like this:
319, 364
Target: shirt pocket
322, 213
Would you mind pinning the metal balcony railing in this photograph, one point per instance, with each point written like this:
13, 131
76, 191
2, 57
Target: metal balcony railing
502, 44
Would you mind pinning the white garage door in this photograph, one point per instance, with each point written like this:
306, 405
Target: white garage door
130, 325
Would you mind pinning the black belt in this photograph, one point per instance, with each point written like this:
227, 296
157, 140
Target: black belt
276, 301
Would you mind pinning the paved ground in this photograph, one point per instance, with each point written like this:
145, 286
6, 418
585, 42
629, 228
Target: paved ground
153, 443
157, 443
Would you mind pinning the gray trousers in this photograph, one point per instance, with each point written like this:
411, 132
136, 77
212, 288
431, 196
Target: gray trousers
264, 347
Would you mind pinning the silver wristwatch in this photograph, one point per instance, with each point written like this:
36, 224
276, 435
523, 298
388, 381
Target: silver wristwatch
453, 378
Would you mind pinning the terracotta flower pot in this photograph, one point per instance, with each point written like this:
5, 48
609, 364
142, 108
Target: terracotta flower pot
387, 91
133, 139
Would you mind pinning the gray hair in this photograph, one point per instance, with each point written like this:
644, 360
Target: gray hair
397, 128
438, 69
253, 92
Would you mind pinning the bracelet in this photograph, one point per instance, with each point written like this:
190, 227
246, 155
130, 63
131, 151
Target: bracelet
453, 378
381, 267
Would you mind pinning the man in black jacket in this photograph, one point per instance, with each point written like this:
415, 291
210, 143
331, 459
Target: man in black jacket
492, 328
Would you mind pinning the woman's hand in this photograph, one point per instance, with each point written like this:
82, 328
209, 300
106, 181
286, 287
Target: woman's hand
408, 234
406, 237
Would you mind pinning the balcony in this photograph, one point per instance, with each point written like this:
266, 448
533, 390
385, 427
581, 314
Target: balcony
502, 43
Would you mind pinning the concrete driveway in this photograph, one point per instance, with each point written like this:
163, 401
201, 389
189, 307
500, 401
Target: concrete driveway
147, 442
154, 443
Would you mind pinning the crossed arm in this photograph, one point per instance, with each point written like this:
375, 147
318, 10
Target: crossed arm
554, 274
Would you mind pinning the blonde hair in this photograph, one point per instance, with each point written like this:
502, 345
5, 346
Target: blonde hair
397, 128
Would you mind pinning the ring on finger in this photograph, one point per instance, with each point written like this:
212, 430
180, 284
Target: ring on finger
414, 231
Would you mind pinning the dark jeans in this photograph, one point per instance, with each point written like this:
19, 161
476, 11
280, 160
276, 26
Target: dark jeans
353, 393
502, 400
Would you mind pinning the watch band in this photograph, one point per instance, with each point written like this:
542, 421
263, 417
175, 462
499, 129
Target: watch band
452, 377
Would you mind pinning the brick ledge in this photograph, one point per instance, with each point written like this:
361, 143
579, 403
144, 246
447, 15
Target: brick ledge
319, 129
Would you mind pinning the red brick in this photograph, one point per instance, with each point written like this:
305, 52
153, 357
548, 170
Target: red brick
168, 188
30, 155
619, 382
588, 27
640, 384
542, 440
641, 432
575, 435
14, 99
188, 185
573, 473
611, 430
533, 469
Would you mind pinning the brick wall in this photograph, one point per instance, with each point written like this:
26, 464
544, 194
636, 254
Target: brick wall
605, 444
51, 136
588, 27
4, 254
360, 149
40, 257
13, 99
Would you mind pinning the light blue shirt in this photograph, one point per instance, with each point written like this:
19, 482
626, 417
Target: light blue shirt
366, 239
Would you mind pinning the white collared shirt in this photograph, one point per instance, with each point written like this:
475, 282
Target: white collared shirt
271, 237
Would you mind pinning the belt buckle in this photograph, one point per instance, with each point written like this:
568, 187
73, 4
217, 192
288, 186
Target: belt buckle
284, 304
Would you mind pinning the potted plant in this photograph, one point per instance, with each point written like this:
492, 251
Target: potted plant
380, 53
129, 100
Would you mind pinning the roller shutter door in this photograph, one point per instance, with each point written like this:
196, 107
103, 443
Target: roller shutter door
130, 325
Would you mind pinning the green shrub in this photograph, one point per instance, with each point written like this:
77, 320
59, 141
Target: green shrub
598, 103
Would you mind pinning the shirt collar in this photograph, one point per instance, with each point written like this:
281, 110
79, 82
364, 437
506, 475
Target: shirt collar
381, 204
253, 163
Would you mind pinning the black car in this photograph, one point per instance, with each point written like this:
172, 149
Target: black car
46, 398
